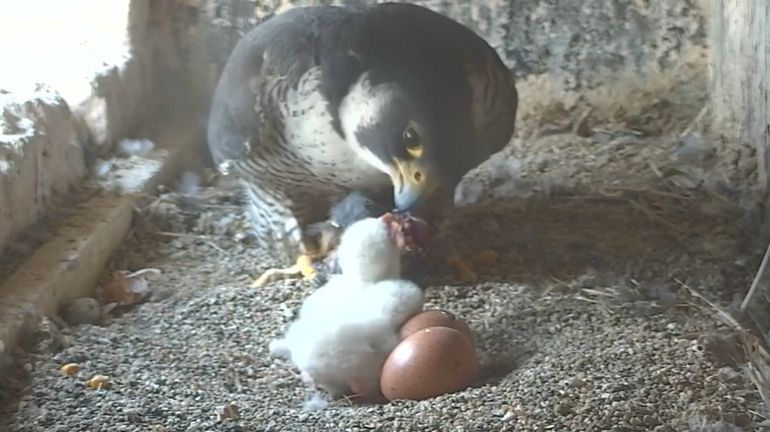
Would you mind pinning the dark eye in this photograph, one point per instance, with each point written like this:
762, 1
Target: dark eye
411, 137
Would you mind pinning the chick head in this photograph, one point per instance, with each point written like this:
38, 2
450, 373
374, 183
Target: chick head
368, 253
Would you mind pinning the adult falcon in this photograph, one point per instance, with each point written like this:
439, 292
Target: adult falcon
392, 100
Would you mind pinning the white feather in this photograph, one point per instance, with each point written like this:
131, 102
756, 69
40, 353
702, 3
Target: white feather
367, 253
362, 105
346, 329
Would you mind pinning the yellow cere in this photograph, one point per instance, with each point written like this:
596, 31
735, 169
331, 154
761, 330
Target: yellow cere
415, 152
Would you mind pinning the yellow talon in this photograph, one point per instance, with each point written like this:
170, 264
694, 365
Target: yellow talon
463, 272
305, 266
485, 257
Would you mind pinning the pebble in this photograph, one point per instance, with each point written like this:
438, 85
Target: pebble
564, 407
84, 310
228, 412
650, 420
576, 382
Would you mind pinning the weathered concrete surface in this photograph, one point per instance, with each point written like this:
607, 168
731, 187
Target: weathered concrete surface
41, 158
157, 81
579, 44
115, 68
66, 267
71, 262
740, 71
84, 55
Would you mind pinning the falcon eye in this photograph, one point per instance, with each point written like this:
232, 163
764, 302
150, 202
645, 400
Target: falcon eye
412, 142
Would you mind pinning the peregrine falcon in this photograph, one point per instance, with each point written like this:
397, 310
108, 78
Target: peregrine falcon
393, 100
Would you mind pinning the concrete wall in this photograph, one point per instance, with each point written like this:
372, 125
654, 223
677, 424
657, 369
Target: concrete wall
165, 56
114, 67
41, 157
580, 44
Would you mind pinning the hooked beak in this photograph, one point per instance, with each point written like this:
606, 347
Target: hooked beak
411, 184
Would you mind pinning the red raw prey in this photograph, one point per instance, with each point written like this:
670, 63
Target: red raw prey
410, 233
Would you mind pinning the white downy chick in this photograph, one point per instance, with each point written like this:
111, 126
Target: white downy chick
350, 357
395, 300
346, 329
367, 253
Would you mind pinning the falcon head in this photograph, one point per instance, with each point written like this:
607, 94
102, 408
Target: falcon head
395, 128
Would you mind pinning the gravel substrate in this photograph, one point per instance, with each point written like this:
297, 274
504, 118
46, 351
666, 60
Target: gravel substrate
603, 350
587, 322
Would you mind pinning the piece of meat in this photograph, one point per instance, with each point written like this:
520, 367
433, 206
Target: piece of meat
410, 233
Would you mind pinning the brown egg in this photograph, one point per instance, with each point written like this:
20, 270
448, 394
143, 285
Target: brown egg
435, 318
431, 362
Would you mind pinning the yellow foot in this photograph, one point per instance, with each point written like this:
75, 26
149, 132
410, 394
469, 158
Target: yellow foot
484, 257
303, 267
463, 269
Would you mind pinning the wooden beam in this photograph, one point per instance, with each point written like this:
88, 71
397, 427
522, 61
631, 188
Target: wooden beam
740, 71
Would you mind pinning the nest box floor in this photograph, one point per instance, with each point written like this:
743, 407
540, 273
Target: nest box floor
606, 233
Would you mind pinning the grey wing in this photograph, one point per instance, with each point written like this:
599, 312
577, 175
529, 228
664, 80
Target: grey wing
246, 130
494, 101
277, 52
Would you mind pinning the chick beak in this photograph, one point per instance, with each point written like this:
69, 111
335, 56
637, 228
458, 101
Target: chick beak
411, 184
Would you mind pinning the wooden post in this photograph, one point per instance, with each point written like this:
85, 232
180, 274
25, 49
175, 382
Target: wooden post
740, 69
740, 75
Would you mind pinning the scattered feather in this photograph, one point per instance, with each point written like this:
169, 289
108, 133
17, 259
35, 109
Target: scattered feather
126, 288
101, 168
190, 184
135, 147
316, 402
693, 147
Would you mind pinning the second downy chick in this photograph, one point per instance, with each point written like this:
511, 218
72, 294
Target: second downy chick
348, 327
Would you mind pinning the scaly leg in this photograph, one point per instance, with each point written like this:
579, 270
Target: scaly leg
312, 251
281, 224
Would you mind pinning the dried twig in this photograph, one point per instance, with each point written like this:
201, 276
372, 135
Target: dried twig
726, 317
698, 118
654, 216
655, 169
602, 305
641, 191
208, 239
599, 293
758, 357
184, 235
214, 246
755, 283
